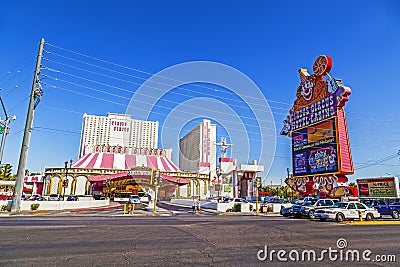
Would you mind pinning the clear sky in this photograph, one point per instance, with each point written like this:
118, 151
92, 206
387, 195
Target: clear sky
265, 40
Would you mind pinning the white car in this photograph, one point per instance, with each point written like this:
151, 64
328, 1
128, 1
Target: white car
341, 211
134, 199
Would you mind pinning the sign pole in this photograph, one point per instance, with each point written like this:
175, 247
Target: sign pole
256, 200
155, 200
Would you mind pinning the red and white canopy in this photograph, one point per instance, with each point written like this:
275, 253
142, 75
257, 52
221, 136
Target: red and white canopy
124, 162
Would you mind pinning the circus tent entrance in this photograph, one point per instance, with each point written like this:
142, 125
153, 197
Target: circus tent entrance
137, 181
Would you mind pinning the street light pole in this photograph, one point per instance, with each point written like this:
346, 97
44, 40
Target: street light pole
65, 182
66, 178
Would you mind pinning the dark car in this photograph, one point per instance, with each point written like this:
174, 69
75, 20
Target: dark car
36, 198
72, 198
297, 207
309, 207
286, 212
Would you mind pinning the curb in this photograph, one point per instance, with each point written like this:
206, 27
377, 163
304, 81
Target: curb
372, 222
96, 208
183, 206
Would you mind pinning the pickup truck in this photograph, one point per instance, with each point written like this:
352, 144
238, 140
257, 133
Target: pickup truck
392, 209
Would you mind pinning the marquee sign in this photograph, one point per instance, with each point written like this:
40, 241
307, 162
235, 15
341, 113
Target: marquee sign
317, 125
384, 187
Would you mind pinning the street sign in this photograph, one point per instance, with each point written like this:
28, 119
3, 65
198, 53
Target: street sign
1, 129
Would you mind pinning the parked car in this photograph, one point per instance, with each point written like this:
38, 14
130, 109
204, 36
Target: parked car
72, 198
297, 207
309, 207
36, 197
341, 211
392, 209
287, 212
54, 197
134, 199
146, 198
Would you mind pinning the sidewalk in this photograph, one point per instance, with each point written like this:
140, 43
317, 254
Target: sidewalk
224, 213
184, 206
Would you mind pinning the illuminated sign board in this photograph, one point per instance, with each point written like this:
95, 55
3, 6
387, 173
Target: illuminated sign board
315, 149
385, 187
317, 124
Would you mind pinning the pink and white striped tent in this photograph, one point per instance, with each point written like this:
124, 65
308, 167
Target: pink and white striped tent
124, 162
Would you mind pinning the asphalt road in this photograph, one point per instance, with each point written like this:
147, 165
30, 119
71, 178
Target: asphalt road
186, 240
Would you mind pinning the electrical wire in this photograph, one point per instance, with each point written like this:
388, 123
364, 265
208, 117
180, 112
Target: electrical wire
167, 78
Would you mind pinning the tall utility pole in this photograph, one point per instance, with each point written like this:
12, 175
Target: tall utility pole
5, 129
224, 146
36, 93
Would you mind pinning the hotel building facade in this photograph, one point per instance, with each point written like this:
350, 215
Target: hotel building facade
117, 130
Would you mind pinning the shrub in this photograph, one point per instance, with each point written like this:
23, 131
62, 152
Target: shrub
269, 209
237, 207
229, 210
251, 208
4, 207
35, 206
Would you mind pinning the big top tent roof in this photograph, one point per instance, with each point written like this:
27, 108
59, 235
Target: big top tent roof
124, 162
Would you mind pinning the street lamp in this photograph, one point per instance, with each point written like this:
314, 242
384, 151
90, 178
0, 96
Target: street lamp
65, 183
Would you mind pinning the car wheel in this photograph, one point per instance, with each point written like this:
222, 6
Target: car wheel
340, 217
322, 219
369, 217
395, 214
311, 214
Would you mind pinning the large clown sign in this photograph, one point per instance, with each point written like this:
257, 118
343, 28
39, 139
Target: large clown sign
321, 155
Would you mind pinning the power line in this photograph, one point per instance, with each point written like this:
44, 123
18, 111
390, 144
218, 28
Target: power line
122, 89
168, 108
167, 78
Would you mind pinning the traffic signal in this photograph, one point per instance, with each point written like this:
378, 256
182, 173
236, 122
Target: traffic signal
258, 182
65, 183
7, 171
154, 179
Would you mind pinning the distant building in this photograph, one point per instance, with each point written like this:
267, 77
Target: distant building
197, 152
116, 131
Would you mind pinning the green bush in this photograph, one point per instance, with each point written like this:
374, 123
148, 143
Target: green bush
237, 207
251, 208
229, 210
35, 206
4, 207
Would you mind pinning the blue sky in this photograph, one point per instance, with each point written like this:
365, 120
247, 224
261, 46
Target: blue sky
266, 40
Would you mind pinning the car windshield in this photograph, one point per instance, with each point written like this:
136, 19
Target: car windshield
340, 205
309, 202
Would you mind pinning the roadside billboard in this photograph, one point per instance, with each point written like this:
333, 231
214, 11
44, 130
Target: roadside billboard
382, 187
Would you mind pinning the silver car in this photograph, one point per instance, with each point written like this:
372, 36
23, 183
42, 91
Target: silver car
54, 197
